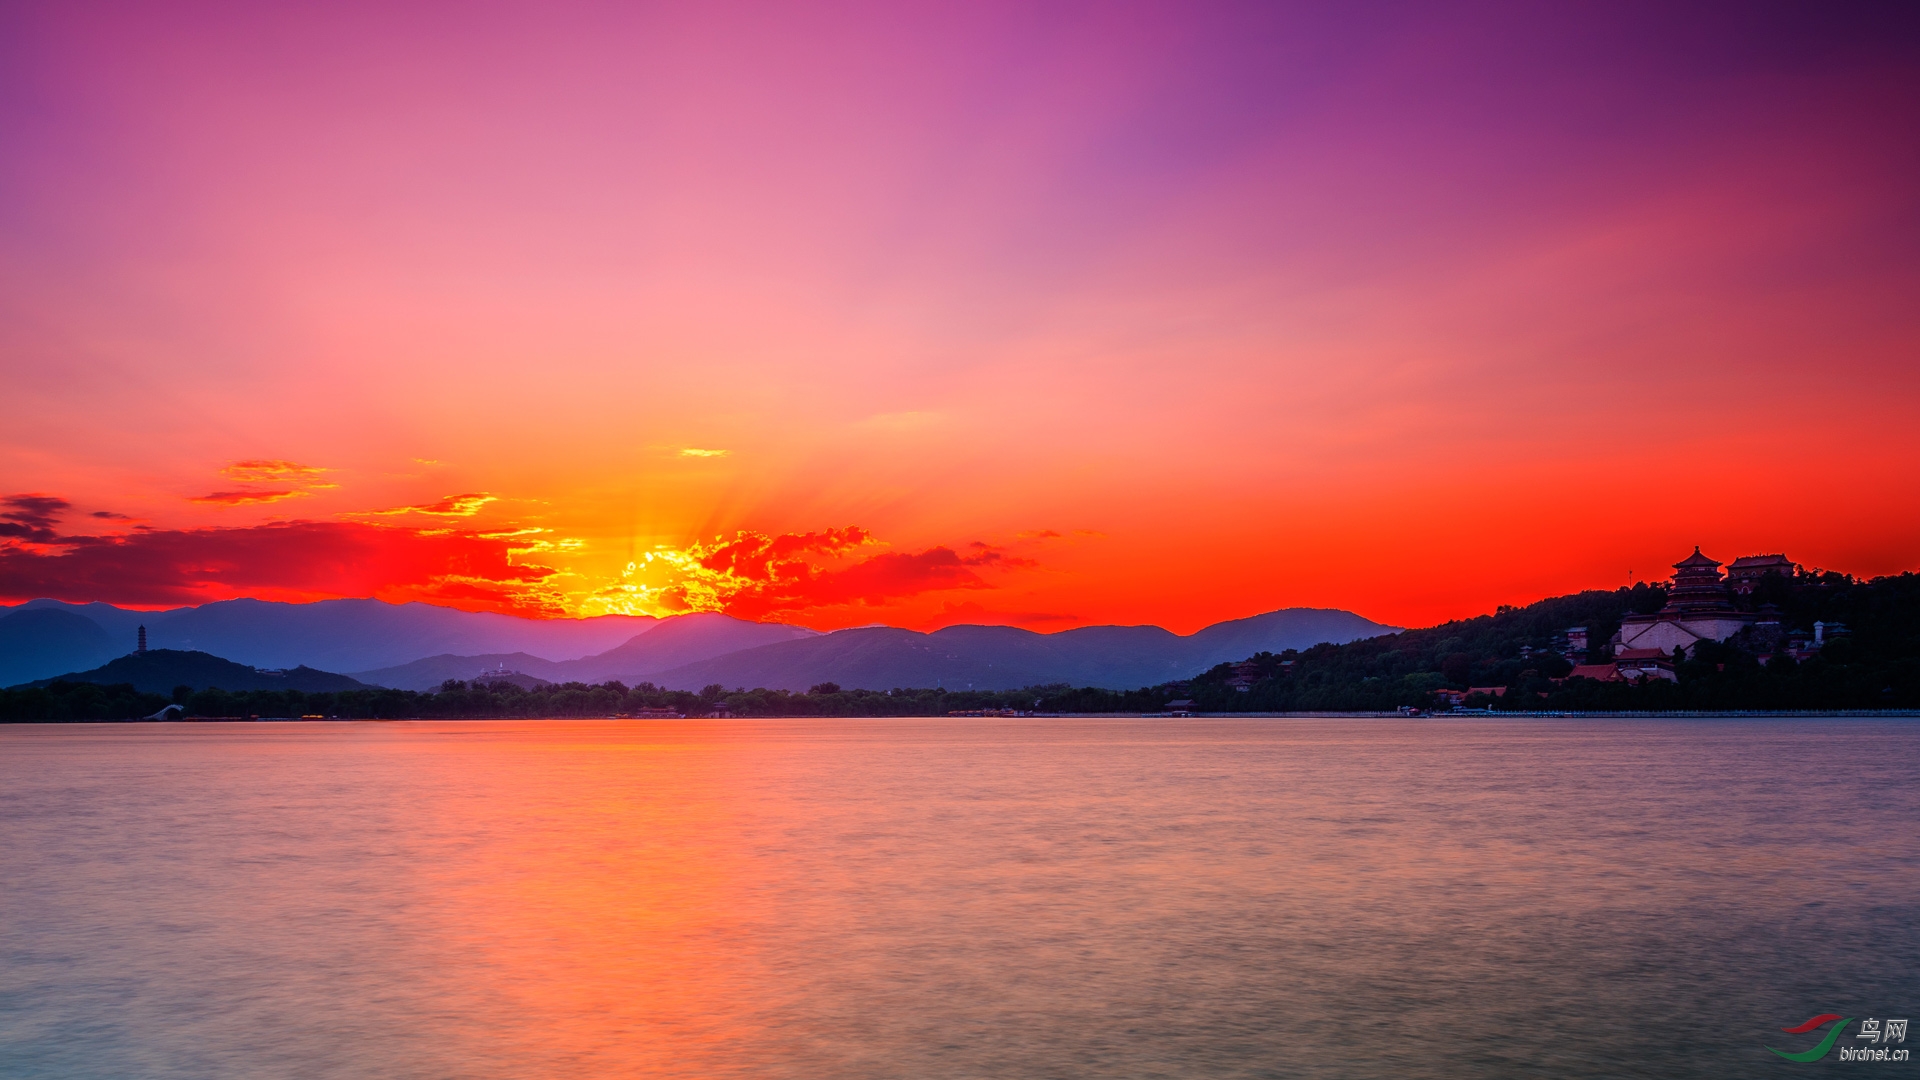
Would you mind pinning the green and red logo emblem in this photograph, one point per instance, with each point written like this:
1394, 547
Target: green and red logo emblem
1825, 1045
1871, 1029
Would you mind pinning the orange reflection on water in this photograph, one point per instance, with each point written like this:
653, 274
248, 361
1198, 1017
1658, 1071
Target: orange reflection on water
599, 901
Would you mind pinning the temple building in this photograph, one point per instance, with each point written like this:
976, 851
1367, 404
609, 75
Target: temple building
1699, 608
1746, 571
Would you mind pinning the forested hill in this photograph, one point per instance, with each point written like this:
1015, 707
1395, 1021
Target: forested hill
1875, 664
160, 670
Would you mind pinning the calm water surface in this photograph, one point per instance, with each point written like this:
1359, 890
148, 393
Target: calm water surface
966, 898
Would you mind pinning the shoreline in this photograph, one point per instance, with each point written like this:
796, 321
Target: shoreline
1677, 714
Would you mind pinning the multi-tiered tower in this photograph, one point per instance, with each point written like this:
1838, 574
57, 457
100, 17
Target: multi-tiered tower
1698, 608
1697, 587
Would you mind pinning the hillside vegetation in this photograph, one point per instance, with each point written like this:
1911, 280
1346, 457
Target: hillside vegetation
1876, 665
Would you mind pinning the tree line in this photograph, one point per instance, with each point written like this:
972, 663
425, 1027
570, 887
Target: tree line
1520, 649
68, 701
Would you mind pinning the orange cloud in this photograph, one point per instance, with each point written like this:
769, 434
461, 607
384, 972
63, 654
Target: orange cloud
296, 480
260, 471
451, 506
238, 498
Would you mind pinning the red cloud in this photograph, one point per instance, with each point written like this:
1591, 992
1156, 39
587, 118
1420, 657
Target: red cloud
299, 560
31, 517
873, 581
754, 576
758, 557
988, 555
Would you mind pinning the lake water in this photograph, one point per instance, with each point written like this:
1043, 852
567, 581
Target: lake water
953, 898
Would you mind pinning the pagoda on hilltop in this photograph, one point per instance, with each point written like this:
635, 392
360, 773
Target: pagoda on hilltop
1699, 608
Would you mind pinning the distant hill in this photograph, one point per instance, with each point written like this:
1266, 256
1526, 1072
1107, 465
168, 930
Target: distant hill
1007, 658
672, 642
158, 671
36, 641
118, 622
1288, 628
338, 635
683, 639
419, 646
429, 672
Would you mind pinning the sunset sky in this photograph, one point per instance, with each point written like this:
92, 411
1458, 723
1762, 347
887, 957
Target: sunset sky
1037, 314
